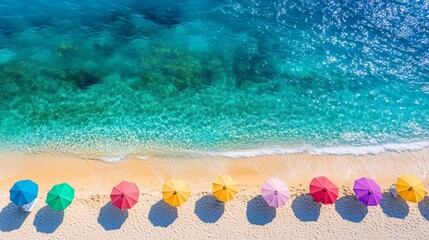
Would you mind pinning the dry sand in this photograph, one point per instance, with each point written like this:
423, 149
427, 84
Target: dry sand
246, 217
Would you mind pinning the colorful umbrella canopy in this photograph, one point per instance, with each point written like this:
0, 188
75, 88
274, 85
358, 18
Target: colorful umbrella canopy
323, 190
368, 191
224, 188
175, 192
60, 196
23, 192
275, 192
125, 195
410, 188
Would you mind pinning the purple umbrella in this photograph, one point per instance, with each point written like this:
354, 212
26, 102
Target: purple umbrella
367, 191
275, 192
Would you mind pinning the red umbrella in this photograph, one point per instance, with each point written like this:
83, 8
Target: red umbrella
323, 190
125, 195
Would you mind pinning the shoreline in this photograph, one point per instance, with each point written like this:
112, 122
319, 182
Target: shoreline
249, 152
95, 176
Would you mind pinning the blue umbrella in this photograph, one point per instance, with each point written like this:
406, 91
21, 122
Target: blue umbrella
23, 192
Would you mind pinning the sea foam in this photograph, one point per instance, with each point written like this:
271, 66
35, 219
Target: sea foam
269, 151
340, 150
112, 159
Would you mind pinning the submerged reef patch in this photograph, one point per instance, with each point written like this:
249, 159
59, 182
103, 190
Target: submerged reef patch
81, 78
174, 69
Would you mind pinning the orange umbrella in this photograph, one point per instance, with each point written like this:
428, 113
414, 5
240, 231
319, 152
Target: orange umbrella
225, 188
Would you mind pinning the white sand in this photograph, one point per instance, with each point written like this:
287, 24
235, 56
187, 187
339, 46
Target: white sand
246, 217
202, 217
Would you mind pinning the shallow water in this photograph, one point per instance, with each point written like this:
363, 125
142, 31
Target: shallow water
143, 77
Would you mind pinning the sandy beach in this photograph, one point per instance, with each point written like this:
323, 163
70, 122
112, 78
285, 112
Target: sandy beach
247, 217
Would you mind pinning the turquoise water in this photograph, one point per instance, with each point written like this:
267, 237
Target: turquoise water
141, 77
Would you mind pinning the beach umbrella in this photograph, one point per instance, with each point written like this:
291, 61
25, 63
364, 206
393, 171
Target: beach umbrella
275, 192
125, 195
367, 191
410, 188
224, 188
323, 190
60, 196
23, 192
175, 192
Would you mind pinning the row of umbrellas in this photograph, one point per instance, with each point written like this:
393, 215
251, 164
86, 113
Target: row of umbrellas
408, 186
176, 192
274, 191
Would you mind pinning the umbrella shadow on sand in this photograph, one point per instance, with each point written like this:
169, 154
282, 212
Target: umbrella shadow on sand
424, 208
162, 215
11, 218
258, 212
111, 217
209, 209
394, 207
305, 208
47, 220
351, 209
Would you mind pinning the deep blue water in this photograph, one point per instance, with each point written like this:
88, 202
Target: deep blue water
137, 77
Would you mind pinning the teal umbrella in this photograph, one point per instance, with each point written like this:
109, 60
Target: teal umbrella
60, 196
23, 192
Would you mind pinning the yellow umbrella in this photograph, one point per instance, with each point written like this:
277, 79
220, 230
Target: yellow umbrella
410, 188
175, 192
225, 188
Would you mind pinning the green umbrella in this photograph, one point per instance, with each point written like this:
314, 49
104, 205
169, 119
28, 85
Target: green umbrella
60, 196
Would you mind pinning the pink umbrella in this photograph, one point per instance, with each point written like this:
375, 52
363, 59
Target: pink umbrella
275, 192
125, 195
323, 190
